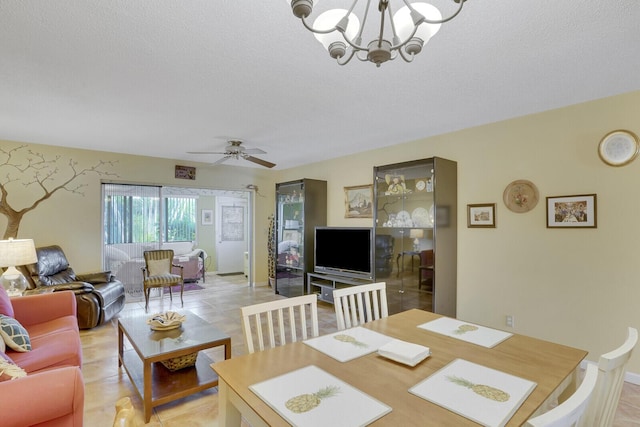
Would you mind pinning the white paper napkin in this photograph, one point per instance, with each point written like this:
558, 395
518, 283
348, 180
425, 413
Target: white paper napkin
404, 352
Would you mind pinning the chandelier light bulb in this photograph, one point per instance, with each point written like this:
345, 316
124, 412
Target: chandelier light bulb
329, 20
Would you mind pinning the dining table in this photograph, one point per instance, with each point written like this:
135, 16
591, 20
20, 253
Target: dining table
552, 367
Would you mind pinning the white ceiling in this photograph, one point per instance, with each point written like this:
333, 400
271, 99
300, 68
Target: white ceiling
164, 77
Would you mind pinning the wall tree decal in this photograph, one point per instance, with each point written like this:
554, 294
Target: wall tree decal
47, 176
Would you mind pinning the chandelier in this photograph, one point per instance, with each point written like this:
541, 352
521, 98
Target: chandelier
407, 30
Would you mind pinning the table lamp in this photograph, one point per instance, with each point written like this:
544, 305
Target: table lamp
15, 252
416, 234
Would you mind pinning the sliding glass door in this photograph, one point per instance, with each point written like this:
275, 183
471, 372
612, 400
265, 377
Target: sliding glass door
132, 224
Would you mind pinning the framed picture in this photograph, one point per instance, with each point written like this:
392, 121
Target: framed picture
207, 217
358, 201
185, 172
482, 215
572, 211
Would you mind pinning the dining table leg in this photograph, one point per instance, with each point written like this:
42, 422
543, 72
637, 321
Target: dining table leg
228, 415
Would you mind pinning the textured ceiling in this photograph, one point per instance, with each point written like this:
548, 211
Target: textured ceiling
164, 77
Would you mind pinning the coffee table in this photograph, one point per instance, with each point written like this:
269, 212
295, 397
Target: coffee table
155, 383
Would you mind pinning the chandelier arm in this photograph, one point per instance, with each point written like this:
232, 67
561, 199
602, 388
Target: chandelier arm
402, 54
314, 30
437, 21
346, 61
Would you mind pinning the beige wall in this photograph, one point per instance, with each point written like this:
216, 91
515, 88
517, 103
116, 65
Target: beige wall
577, 287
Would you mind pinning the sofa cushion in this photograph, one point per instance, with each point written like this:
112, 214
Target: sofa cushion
14, 334
51, 350
10, 371
5, 303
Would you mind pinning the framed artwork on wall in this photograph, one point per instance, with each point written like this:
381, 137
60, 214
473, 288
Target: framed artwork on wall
358, 201
482, 215
572, 211
207, 217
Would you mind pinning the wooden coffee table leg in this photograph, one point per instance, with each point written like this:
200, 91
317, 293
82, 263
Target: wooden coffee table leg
147, 391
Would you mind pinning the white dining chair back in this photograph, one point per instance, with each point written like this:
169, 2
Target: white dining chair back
570, 412
360, 304
611, 370
281, 321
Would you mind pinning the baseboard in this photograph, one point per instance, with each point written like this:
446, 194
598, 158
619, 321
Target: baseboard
629, 377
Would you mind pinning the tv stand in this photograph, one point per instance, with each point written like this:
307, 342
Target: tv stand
324, 284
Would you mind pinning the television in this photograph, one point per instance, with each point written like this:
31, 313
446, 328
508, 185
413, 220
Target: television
344, 251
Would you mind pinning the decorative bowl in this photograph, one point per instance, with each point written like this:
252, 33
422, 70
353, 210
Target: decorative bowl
166, 321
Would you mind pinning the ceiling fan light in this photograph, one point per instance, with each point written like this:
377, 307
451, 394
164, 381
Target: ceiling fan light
405, 22
330, 19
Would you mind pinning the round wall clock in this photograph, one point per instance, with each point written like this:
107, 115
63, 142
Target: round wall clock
619, 148
521, 196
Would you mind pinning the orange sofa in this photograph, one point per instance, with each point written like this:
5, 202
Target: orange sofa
52, 366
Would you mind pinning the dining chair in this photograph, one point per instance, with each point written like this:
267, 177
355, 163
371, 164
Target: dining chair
289, 316
570, 412
611, 371
158, 273
360, 304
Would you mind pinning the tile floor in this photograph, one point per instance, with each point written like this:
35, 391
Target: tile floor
218, 303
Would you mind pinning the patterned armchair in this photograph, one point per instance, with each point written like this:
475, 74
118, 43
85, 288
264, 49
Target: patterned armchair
158, 273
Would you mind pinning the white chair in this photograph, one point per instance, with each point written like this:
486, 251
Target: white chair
360, 304
570, 412
280, 319
611, 370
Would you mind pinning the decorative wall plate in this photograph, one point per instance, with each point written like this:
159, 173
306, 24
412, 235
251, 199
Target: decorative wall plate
619, 147
521, 196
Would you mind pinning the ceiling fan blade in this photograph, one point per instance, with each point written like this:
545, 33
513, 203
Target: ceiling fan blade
221, 160
254, 151
206, 152
260, 161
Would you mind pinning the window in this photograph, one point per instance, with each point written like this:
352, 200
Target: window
180, 215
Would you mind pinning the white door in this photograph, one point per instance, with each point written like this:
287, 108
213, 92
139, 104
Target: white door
231, 234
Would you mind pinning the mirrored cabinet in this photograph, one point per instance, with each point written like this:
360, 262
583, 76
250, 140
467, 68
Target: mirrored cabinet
415, 223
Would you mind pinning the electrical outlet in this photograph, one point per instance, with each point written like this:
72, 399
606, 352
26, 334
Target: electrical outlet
509, 320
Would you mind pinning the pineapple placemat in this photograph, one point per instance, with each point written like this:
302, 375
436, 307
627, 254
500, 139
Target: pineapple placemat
349, 344
312, 397
482, 394
469, 332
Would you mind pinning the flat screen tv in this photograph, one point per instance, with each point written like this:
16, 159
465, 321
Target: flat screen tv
344, 251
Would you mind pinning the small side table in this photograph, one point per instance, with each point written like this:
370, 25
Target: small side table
401, 255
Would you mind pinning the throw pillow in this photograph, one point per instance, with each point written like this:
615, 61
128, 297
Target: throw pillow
14, 334
158, 267
3, 347
5, 303
10, 371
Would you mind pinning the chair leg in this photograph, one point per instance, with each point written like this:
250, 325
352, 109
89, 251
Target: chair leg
181, 292
146, 299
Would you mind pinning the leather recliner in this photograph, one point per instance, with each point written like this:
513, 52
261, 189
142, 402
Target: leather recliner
100, 296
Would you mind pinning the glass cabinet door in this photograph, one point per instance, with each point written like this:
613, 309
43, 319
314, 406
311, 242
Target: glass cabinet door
415, 219
290, 240
404, 220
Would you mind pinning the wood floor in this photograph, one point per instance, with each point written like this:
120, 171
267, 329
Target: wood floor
219, 304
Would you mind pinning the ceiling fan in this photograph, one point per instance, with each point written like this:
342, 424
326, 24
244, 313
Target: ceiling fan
235, 150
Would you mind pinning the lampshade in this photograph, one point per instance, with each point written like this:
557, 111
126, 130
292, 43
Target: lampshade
329, 20
15, 252
405, 25
416, 233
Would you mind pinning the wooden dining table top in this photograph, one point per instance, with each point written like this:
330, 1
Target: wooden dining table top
545, 363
